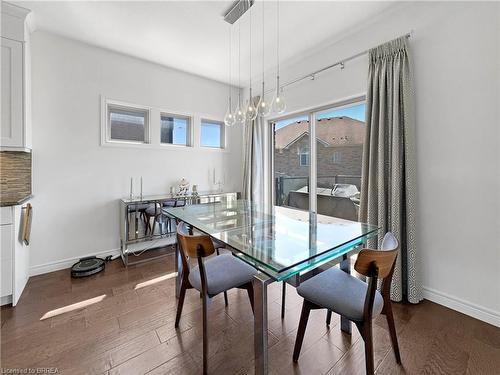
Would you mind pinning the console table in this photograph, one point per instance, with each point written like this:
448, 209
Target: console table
143, 247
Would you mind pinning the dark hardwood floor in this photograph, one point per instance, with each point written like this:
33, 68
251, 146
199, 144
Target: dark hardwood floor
122, 322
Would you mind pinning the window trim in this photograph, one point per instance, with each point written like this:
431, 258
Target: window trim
106, 125
308, 157
223, 140
189, 135
338, 159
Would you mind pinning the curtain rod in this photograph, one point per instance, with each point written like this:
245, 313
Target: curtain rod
312, 75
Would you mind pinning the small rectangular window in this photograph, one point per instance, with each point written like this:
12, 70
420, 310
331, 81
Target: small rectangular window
304, 157
127, 124
337, 157
212, 134
175, 130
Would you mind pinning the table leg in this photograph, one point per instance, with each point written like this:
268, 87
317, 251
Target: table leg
345, 324
260, 283
178, 269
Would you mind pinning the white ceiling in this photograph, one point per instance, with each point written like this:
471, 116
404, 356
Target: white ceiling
192, 36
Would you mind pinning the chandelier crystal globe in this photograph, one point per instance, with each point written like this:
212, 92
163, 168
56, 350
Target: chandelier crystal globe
263, 109
251, 110
240, 113
229, 119
239, 116
279, 103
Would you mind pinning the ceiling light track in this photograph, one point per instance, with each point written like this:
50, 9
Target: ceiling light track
237, 9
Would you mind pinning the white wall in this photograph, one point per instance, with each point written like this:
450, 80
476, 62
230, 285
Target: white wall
455, 49
76, 182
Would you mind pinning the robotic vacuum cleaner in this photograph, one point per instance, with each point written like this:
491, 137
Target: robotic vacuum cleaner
87, 266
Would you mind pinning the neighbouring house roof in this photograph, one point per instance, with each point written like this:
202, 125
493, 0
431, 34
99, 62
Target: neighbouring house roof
335, 131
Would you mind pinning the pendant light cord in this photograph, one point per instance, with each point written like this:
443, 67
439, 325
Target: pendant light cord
263, 49
278, 47
230, 63
239, 65
250, 39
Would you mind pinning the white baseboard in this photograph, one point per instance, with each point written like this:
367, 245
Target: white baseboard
476, 311
5, 300
67, 263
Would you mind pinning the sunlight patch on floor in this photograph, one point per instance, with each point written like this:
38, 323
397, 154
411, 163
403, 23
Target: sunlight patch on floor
156, 280
72, 307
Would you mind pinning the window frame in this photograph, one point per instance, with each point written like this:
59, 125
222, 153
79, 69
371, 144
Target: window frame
189, 131
337, 157
106, 139
311, 114
222, 135
307, 154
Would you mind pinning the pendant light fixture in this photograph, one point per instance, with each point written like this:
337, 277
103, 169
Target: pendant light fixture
239, 115
251, 110
279, 104
263, 108
229, 119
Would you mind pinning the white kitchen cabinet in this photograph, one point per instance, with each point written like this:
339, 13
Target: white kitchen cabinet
14, 256
6, 259
12, 130
15, 92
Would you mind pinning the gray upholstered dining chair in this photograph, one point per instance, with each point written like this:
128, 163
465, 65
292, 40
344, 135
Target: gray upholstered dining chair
358, 301
210, 277
160, 216
329, 205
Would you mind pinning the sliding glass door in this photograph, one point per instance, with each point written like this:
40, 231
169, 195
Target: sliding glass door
291, 156
329, 169
340, 133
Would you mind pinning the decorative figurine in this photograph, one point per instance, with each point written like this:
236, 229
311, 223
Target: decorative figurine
183, 187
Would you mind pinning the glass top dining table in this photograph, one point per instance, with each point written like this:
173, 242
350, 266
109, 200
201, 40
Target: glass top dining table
280, 242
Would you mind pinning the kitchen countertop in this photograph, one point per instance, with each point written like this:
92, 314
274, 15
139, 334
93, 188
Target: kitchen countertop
12, 200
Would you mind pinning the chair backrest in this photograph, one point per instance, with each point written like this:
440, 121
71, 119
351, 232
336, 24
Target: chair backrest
193, 246
379, 261
377, 264
180, 202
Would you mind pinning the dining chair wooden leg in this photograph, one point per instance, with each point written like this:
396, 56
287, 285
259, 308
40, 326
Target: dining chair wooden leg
180, 303
392, 330
205, 334
328, 317
304, 317
365, 329
283, 298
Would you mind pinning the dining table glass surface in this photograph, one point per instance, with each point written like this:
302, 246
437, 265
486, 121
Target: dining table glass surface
279, 241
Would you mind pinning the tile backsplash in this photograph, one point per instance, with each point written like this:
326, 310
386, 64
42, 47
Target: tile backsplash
15, 176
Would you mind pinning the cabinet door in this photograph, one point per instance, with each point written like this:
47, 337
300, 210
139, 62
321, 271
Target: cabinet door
12, 128
20, 256
6, 260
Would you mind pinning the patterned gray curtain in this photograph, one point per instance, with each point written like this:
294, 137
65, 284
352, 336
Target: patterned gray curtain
253, 160
388, 196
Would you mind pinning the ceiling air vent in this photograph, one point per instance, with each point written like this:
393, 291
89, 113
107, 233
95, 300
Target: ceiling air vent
237, 9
